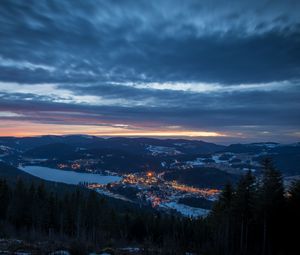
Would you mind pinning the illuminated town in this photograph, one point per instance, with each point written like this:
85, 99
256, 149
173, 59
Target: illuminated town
149, 188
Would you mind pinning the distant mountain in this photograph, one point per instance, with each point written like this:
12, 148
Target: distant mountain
6, 151
202, 177
26, 143
53, 150
117, 154
252, 148
136, 145
286, 157
123, 154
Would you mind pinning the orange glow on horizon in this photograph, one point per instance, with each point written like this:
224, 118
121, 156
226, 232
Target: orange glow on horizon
24, 129
165, 133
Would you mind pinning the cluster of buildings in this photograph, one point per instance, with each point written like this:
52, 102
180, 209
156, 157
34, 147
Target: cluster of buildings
150, 188
86, 165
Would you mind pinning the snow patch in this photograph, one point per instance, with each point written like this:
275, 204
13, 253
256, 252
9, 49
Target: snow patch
185, 210
156, 150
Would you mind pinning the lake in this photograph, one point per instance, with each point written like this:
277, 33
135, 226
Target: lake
69, 177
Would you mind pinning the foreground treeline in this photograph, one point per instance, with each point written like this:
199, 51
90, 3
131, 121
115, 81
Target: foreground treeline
32, 213
257, 216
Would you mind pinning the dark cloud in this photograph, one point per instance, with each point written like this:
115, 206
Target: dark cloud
173, 108
148, 40
99, 51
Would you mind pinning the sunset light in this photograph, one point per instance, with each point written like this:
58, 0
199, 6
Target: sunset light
25, 128
150, 127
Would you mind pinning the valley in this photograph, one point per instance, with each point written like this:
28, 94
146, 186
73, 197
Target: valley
177, 176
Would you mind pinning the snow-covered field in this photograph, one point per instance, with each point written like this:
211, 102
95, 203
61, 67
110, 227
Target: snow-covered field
156, 150
69, 177
196, 162
110, 194
185, 210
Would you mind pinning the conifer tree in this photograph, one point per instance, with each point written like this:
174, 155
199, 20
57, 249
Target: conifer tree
243, 204
293, 218
4, 199
271, 206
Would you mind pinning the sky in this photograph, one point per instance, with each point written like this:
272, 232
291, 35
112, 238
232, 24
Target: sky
215, 70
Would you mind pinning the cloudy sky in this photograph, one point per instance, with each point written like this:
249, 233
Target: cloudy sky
210, 70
